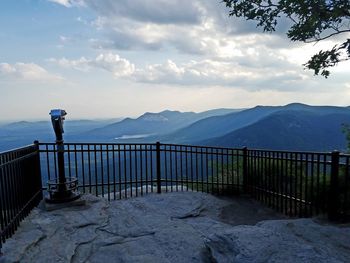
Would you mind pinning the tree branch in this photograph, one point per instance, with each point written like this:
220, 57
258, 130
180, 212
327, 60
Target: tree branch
330, 35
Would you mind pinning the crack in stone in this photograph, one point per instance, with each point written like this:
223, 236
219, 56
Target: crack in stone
124, 239
73, 258
34, 244
85, 225
147, 233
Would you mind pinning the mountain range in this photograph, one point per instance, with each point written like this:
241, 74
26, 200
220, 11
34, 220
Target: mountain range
151, 126
291, 127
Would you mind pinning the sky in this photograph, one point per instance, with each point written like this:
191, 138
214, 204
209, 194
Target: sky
108, 59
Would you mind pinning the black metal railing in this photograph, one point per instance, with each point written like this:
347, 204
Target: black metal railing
295, 183
117, 171
20, 187
300, 183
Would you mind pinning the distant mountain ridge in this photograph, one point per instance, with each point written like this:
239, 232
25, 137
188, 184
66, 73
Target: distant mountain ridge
213, 127
151, 124
290, 130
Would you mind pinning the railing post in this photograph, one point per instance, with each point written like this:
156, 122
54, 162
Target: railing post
333, 197
245, 169
159, 186
38, 168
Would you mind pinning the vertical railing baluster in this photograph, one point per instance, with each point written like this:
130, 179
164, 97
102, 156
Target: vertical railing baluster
159, 186
324, 179
318, 170
217, 171
245, 169
114, 173
146, 159
130, 171
197, 173
181, 167
119, 172
301, 210
202, 176
141, 168
166, 167
312, 194
176, 168
229, 164
89, 165
222, 171
152, 172
76, 162
108, 176
48, 162
291, 184
334, 200
306, 194
102, 171
282, 184
82, 166
207, 168
136, 173
125, 172
187, 173
296, 211
212, 170
96, 181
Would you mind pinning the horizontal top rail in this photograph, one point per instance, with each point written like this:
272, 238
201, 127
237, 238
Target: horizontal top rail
95, 143
17, 159
189, 145
18, 149
201, 146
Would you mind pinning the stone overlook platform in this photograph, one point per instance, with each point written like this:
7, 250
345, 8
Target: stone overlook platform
173, 227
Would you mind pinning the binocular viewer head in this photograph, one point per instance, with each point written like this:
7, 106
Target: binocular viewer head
58, 113
57, 118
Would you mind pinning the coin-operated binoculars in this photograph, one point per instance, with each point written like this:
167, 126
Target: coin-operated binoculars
61, 189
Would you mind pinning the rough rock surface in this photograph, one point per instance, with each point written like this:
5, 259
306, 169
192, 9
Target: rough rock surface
173, 227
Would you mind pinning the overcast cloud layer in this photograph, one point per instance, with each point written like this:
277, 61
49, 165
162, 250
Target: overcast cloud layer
171, 46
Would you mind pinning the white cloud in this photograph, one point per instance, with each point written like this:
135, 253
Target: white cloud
192, 27
220, 73
113, 63
26, 71
200, 73
69, 3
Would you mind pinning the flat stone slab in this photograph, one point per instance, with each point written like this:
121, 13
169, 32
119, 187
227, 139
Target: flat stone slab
173, 227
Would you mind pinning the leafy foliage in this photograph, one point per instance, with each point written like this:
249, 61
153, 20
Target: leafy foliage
312, 21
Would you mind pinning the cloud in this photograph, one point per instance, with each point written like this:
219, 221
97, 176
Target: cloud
69, 3
155, 11
206, 72
113, 63
26, 71
197, 28
219, 73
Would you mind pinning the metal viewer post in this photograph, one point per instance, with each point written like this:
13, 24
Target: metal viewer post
60, 189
